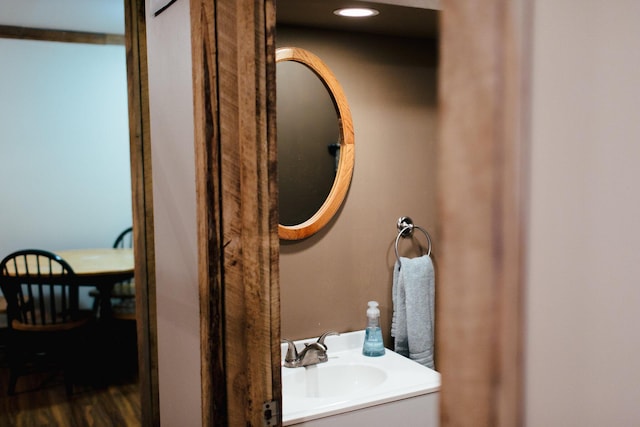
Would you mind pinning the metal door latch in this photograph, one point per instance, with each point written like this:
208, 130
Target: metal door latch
271, 412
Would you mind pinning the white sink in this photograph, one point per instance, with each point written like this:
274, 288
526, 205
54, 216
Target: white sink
349, 381
328, 380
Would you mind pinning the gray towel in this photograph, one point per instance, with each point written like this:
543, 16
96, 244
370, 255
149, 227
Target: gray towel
413, 295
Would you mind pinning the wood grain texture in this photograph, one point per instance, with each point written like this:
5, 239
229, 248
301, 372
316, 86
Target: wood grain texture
481, 205
94, 262
210, 269
235, 147
273, 317
106, 407
347, 145
44, 34
247, 231
41, 399
142, 209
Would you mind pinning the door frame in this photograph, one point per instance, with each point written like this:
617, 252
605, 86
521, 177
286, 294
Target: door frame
141, 189
233, 62
482, 202
482, 178
233, 57
142, 209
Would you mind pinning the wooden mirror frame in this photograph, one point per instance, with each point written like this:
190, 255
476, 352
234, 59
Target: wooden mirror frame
347, 147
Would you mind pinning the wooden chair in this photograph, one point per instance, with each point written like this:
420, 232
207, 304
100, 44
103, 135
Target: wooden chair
3, 322
123, 293
45, 324
119, 332
124, 239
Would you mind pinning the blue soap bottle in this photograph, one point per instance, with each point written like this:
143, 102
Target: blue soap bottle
373, 344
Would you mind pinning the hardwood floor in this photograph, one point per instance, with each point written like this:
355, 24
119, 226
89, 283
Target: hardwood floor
108, 395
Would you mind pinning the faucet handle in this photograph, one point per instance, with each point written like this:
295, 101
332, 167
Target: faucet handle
292, 351
326, 334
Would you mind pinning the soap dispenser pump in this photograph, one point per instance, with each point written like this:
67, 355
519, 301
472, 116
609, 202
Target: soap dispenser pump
373, 344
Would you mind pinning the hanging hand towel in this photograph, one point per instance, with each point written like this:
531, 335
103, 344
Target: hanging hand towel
413, 295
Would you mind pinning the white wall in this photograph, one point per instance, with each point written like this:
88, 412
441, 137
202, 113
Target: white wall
178, 311
583, 299
65, 145
63, 132
100, 16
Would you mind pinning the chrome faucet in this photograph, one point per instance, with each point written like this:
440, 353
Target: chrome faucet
312, 353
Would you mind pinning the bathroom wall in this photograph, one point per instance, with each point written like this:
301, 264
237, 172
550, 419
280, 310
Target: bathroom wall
390, 84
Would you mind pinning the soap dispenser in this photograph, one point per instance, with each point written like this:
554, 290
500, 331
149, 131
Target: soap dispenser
373, 344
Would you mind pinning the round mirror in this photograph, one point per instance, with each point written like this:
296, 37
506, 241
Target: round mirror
315, 143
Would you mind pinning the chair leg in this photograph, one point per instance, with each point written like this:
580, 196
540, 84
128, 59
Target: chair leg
13, 380
95, 308
68, 384
66, 361
15, 367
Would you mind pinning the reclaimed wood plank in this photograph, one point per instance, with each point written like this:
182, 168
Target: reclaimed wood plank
142, 208
235, 146
64, 36
481, 203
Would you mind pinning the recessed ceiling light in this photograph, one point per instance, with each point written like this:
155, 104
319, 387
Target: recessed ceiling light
356, 12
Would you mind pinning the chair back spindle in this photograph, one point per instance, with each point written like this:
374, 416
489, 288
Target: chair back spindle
43, 316
40, 288
123, 292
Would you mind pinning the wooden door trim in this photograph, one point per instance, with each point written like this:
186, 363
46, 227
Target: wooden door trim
233, 54
62, 36
142, 206
209, 205
482, 205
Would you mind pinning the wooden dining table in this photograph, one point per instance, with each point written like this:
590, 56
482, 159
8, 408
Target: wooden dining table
102, 263
102, 268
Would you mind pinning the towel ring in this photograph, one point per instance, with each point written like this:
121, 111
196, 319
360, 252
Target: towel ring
405, 227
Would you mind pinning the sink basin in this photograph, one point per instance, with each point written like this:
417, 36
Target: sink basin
327, 380
350, 383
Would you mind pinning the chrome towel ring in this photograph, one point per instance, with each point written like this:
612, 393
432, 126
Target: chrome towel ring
405, 229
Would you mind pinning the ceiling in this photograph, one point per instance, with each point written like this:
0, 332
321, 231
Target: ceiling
395, 20
405, 18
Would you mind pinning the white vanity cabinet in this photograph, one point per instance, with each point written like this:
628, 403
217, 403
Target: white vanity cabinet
354, 390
